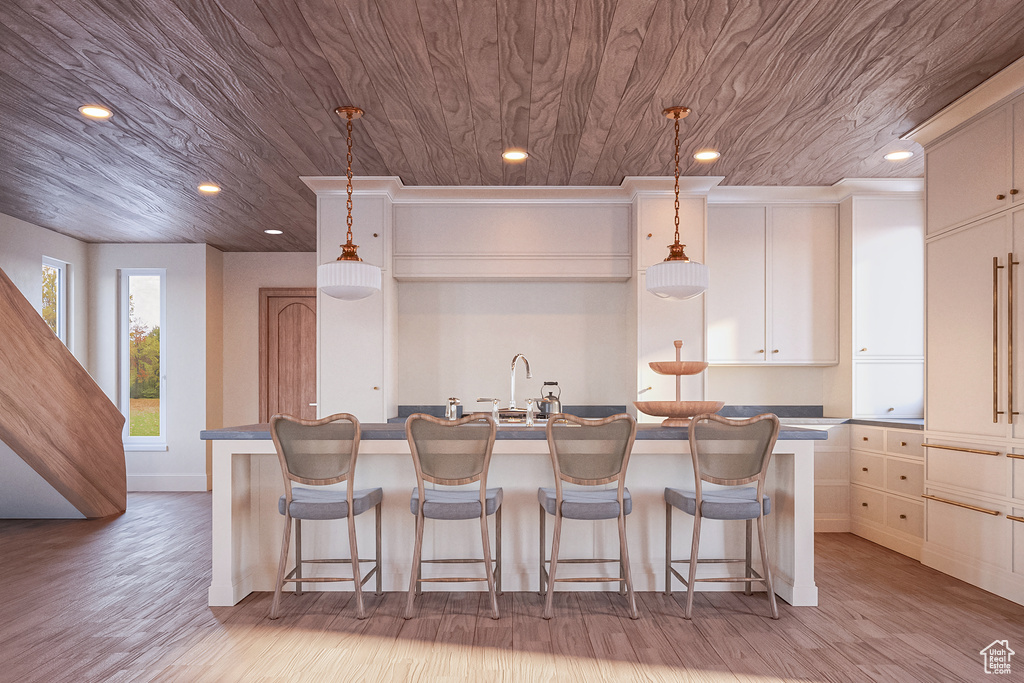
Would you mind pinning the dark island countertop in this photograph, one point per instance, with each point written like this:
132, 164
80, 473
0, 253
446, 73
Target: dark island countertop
373, 431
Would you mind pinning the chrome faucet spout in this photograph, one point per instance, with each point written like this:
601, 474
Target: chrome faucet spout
529, 375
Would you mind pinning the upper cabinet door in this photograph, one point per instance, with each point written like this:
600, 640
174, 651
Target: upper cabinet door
969, 174
736, 295
888, 278
803, 284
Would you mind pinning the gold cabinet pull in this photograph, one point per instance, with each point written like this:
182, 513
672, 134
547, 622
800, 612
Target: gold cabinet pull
903, 443
995, 340
864, 438
864, 349
1014, 191
864, 469
1000, 197
994, 513
962, 450
1015, 518
903, 477
903, 516
1010, 263
775, 350
1016, 456
760, 350
863, 505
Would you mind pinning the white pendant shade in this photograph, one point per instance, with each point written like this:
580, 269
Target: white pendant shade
348, 280
677, 279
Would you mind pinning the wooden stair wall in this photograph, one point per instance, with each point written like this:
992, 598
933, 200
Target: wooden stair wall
54, 415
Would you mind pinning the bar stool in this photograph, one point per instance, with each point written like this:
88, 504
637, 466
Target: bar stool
730, 453
318, 453
587, 453
453, 453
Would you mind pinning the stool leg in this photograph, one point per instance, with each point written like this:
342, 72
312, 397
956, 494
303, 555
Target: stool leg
488, 569
555, 538
668, 549
767, 569
750, 524
298, 556
497, 550
414, 573
543, 550
286, 538
624, 554
380, 590
691, 583
354, 554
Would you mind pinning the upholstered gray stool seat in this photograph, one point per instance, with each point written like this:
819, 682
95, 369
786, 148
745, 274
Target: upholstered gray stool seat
601, 504
329, 503
457, 504
733, 503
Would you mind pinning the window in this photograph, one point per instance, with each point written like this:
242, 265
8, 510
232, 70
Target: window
54, 310
143, 363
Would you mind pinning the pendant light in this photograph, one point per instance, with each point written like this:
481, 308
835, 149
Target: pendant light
677, 277
348, 278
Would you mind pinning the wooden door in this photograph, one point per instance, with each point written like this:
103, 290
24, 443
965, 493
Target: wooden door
288, 352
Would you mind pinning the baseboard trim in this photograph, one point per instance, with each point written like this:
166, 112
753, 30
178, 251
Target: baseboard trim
167, 482
1003, 583
905, 545
832, 525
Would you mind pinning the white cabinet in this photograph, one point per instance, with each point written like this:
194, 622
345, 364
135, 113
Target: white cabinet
773, 297
889, 389
888, 277
966, 387
886, 483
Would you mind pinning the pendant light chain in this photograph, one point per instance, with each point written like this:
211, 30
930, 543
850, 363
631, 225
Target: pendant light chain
348, 173
677, 177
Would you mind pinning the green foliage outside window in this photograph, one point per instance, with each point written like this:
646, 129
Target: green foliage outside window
144, 353
49, 312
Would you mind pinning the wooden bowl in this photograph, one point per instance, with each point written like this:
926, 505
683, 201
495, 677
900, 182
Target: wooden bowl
678, 367
678, 412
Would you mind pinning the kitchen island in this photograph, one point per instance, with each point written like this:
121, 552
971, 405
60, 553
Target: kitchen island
247, 527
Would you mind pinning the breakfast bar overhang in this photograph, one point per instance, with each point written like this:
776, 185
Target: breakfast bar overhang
247, 527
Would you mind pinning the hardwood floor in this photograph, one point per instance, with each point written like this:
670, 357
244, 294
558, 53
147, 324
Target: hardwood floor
124, 599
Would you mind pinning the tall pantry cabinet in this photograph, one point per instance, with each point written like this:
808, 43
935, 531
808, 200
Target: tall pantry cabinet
974, 411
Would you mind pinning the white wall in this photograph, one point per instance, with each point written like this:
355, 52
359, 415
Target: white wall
458, 339
244, 274
23, 493
183, 466
22, 248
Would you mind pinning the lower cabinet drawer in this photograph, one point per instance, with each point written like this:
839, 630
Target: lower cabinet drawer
976, 534
985, 470
904, 477
904, 442
867, 504
905, 515
866, 468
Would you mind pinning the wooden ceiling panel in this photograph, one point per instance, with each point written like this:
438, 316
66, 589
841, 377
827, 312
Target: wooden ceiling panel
242, 93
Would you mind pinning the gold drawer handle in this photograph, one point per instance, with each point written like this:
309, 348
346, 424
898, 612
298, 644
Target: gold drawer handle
864, 505
864, 469
903, 443
1016, 456
903, 477
994, 513
1015, 518
1000, 197
903, 516
961, 450
864, 438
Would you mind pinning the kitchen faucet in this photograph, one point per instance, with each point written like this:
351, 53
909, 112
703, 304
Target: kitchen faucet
529, 375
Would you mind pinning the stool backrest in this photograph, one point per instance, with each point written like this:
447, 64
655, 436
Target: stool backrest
590, 452
732, 452
316, 452
451, 452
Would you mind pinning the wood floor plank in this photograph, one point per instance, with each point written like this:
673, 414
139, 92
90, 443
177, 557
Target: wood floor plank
124, 599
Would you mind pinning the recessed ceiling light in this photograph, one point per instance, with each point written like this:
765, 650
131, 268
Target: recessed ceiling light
707, 155
95, 111
514, 155
274, 232
209, 188
902, 155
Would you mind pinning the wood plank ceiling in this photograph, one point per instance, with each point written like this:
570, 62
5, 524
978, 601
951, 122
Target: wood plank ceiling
241, 93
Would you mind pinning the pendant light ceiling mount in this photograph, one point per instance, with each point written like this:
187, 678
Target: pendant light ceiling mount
677, 277
348, 277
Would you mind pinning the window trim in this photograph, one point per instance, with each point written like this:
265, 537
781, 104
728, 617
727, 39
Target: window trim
141, 443
62, 295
